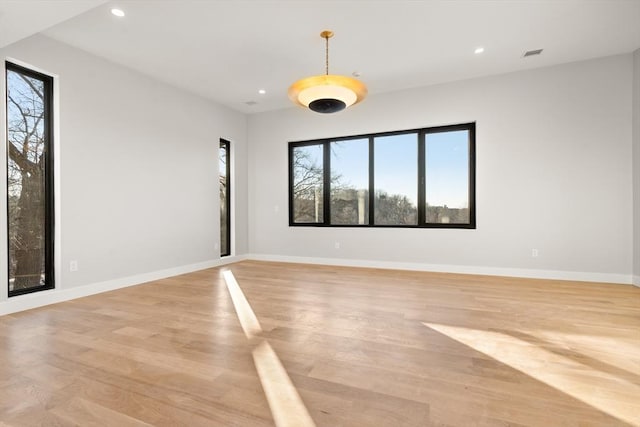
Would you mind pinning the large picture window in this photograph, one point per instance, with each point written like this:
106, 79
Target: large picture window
29, 179
415, 178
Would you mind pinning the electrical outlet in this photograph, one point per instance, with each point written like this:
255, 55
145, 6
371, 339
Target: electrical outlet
73, 265
337, 245
534, 253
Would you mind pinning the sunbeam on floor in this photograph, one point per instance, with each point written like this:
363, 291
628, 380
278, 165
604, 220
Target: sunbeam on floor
555, 370
285, 403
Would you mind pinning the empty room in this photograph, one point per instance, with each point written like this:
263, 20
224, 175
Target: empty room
300, 213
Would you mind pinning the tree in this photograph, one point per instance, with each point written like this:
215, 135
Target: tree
26, 179
307, 187
394, 209
349, 205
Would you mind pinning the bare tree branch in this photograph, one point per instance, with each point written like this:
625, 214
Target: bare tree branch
36, 90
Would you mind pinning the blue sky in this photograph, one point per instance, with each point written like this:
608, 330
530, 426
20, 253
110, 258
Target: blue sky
396, 166
447, 168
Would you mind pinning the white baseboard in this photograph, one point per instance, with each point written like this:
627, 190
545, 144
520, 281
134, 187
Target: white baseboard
636, 280
450, 268
39, 299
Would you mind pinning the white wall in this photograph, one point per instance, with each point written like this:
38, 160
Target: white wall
138, 170
553, 173
636, 167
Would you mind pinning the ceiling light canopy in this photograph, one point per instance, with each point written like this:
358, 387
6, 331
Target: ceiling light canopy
117, 12
327, 93
532, 52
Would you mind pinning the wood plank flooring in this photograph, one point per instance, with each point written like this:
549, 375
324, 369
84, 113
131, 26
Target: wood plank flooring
362, 347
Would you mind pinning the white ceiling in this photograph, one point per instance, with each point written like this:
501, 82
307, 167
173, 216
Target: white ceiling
226, 50
22, 18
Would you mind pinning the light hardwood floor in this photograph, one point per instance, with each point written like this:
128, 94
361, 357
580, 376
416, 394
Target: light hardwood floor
362, 347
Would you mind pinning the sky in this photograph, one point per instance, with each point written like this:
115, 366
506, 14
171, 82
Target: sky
396, 166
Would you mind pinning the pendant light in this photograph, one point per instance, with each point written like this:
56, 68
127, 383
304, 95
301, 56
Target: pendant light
327, 93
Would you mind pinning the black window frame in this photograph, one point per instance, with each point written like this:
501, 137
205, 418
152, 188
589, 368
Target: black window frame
49, 232
226, 146
421, 196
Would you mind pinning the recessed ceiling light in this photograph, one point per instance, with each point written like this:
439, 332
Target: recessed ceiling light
478, 50
117, 12
262, 91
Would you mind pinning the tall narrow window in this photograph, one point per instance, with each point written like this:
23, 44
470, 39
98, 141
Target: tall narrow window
29, 179
225, 199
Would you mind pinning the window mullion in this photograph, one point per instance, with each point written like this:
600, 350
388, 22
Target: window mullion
472, 176
422, 214
326, 184
372, 196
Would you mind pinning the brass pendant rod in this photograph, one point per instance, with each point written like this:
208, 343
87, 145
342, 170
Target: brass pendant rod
326, 35
327, 56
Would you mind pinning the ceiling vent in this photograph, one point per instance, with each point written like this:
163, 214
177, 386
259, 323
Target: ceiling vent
532, 52
251, 103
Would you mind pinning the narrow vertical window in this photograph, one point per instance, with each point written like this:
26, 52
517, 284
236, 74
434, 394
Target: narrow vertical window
29, 179
225, 199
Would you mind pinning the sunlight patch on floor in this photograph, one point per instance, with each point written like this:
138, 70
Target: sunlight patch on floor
286, 405
248, 320
620, 353
551, 369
